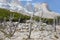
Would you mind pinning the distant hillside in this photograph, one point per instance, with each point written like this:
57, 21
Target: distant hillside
6, 14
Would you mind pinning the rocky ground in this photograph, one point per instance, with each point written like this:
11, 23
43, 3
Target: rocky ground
36, 35
45, 33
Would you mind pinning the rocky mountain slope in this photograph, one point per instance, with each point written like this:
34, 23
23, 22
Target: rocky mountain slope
43, 10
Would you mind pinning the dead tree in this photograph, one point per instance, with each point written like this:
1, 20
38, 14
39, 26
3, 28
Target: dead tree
10, 29
30, 10
30, 26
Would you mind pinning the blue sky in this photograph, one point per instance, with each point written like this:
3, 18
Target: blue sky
54, 5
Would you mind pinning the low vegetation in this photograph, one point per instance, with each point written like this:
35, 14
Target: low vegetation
6, 14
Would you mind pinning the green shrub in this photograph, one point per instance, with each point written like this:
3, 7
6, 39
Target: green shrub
6, 13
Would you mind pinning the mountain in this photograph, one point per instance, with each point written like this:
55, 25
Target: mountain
40, 9
43, 9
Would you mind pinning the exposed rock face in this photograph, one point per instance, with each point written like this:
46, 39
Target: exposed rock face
43, 10
43, 6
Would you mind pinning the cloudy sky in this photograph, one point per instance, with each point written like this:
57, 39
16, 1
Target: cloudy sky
54, 5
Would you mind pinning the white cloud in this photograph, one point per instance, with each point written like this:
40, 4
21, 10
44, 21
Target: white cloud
3, 1
25, 0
